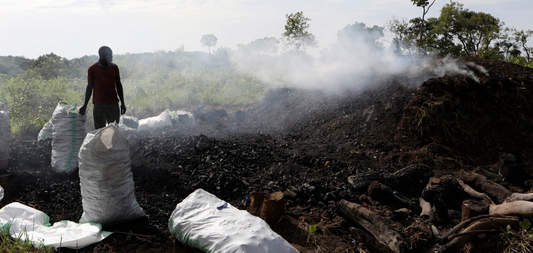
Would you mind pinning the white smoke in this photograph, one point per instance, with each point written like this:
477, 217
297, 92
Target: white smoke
354, 64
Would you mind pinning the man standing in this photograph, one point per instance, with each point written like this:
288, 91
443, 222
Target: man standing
104, 78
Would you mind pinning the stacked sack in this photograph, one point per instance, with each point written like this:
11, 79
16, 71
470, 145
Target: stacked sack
5, 136
68, 133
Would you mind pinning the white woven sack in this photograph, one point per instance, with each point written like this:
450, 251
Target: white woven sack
106, 181
128, 123
205, 222
45, 132
5, 136
68, 132
152, 123
27, 223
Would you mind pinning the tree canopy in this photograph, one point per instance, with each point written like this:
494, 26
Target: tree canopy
296, 32
209, 40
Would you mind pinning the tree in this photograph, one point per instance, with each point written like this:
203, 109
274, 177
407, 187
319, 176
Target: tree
403, 38
353, 36
521, 38
425, 9
264, 46
507, 48
296, 33
474, 30
209, 40
51, 65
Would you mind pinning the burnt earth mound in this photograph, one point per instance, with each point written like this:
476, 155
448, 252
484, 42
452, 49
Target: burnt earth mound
320, 150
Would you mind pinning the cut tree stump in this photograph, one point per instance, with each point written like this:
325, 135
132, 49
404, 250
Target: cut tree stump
374, 224
269, 207
474, 207
273, 208
256, 202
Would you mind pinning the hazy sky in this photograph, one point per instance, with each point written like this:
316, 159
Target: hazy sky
74, 28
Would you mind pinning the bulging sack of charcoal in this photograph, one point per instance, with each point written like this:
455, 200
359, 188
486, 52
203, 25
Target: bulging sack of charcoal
128, 123
106, 181
5, 135
68, 132
152, 123
183, 117
46, 131
208, 223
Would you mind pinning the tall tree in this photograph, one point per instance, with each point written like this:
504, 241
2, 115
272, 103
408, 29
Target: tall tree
357, 34
403, 38
521, 38
296, 32
507, 47
209, 40
425, 9
51, 65
474, 30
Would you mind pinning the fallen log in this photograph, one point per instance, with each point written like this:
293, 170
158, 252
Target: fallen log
495, 191
410, 175
473, 193
519, 196
362, 180
377, 190
369, 242
373, 224
518, 208
457, 237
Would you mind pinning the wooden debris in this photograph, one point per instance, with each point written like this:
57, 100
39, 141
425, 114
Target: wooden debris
519, 196
369, 242
362, 180
410, 175
520, 208
269, 207
377, 190
426, 212
273, 208
457, 237
256, 202
474, 207
495, 191
373, 224
473, 193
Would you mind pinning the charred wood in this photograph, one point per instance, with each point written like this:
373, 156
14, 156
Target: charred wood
495, 191
520, 208
374, 224
369, 242
377, 190
457, 237
519, 196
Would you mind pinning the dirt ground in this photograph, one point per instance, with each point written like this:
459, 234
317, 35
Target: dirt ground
310, 145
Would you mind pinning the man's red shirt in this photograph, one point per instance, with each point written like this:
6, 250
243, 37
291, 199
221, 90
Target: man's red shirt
104, 80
